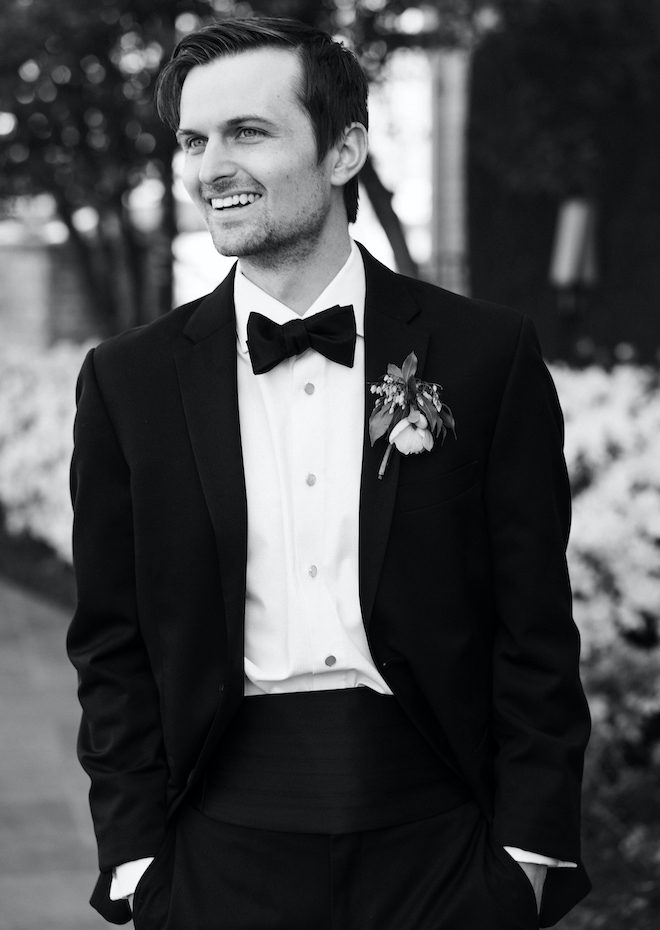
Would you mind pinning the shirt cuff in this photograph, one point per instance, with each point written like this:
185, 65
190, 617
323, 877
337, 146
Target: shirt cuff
125, 877
522, 855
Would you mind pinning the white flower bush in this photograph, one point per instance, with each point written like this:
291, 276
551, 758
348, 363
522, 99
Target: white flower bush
613, 455
37, 407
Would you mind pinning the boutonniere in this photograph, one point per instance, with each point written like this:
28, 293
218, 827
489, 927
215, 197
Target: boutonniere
408, 412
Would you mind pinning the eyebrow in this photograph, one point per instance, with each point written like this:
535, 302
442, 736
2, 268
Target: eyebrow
231, 124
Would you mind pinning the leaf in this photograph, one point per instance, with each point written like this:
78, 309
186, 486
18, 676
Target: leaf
379, 423
409, 368
395, 372
447, 418
399, 414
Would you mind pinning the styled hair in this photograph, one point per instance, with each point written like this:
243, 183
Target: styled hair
333, 89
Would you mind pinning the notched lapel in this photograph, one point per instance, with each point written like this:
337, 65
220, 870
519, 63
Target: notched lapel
389, 337
206, 368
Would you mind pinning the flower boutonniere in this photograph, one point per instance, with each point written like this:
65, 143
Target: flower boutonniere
408, 412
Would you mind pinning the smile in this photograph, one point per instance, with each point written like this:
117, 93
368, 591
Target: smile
236, 200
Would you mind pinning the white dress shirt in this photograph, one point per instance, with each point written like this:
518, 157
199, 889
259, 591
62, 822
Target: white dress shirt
302, 431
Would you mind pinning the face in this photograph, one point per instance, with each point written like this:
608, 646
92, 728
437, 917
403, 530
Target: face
251, 165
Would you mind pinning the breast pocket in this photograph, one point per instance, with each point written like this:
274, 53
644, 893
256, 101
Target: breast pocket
416, 495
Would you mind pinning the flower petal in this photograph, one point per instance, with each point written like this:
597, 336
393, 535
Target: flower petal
399, 428
409, 440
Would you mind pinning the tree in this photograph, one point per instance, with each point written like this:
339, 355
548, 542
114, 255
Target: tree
565, 104
76, 83
572, 69
75, 87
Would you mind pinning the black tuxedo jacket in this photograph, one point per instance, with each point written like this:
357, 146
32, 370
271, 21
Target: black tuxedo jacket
463, 581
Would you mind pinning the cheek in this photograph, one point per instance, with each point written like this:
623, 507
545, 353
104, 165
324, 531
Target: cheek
190, 177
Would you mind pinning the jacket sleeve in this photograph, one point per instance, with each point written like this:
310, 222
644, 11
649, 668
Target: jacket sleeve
120, 740
540, 716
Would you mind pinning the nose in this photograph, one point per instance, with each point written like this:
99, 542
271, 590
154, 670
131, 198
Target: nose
215, 163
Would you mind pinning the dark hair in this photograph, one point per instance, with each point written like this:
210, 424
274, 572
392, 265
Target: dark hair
333, 90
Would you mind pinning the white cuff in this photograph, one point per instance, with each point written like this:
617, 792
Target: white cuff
125, 877
522, 855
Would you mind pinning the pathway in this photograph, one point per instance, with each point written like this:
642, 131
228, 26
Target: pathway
47, 850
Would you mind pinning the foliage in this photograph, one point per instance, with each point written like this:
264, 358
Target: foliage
75, 90
574, 80
613, 450
37, 406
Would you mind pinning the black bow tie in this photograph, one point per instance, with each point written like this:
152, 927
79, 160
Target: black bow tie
331, 332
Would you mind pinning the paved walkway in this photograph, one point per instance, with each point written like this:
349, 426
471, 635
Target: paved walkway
47, 851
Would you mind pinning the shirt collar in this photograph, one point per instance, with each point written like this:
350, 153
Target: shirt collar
347, 287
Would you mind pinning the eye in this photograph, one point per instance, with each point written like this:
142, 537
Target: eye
249, 133
191, 143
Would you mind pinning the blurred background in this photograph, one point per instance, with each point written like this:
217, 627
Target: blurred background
515, 157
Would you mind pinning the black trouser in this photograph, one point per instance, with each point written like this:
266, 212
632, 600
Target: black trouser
442, 873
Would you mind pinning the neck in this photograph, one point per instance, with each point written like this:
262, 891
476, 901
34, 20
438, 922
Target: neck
298, 280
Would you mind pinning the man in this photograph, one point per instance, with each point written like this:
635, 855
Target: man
319, 697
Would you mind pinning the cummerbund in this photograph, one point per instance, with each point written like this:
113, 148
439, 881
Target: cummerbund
325, 762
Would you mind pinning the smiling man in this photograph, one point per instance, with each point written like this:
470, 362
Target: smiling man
320, 693
253, 170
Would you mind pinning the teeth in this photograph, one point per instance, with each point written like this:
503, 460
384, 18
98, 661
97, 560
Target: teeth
236, 200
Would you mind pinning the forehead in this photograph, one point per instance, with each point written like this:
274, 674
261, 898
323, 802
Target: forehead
262, 82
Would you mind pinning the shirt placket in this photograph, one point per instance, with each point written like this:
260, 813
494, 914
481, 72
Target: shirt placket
308, 476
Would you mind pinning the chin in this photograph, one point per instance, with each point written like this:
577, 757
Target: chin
241, 246
230, 245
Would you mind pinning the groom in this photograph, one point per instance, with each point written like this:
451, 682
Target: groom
313, 696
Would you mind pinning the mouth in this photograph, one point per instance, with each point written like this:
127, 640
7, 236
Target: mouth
234, 201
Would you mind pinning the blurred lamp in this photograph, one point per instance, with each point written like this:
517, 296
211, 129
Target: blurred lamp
8, 123
573, 261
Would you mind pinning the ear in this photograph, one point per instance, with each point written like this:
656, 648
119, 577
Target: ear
350, 154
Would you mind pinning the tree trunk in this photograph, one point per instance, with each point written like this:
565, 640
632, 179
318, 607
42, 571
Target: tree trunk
133, 258
120, 267
381, 200
164, 258
94, 283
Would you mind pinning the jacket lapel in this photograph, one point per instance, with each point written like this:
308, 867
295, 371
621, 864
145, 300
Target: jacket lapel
389, 337
206, 367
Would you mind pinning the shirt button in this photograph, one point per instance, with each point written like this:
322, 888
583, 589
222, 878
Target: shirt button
330, 661
311, 480
313, 570
309, 388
